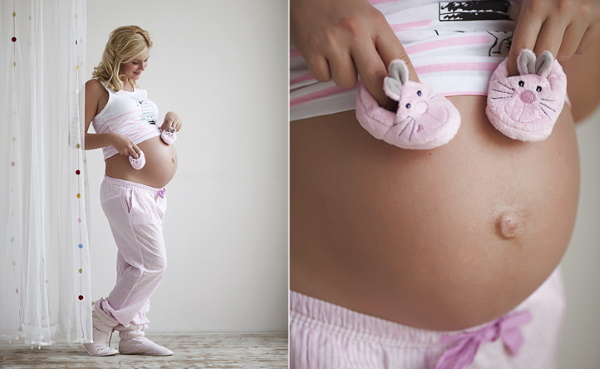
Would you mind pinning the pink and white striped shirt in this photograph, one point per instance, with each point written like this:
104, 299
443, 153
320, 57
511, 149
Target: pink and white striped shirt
129, 113
454, 45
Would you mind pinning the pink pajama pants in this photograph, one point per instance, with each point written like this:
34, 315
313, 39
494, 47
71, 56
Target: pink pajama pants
328, 336
135, 213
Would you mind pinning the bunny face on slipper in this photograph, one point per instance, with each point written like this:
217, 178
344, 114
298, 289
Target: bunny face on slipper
424, 120
525, 107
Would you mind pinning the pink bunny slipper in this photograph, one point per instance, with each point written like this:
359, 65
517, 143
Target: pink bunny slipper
168, 136
139, 162
424, 119
526, 107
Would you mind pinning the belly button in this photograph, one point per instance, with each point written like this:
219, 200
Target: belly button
508, 224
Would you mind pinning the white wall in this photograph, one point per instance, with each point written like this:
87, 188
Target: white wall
222, 66
581, 266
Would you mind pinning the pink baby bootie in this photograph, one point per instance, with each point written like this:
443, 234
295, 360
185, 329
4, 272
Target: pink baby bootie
526, 107
168, 136
134, 342
424, 119
139, 162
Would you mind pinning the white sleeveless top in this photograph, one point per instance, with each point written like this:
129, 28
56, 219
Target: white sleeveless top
129, 113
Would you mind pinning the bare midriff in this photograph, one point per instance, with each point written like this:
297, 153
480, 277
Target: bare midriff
440, 239
160, 167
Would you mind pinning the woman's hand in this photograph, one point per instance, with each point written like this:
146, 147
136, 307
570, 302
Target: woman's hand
339, 39
563, 27
172, 121
124, 145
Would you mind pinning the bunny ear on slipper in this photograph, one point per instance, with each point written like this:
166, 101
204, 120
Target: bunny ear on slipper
526, 62
392, 85
543, 65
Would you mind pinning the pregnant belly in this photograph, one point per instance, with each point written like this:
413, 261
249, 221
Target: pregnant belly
161, 164
440, 239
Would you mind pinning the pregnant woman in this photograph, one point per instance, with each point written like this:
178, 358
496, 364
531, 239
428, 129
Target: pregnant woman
140, 160
440, 258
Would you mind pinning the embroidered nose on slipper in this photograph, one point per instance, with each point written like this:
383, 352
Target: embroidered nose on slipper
526, 107
424, 119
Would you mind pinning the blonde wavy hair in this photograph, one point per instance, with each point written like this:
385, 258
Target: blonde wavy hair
124, 44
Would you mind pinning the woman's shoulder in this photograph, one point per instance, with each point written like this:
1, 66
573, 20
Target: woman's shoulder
93, 86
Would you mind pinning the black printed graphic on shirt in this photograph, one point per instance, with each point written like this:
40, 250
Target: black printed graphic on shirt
147, 111
454, 11
502, 42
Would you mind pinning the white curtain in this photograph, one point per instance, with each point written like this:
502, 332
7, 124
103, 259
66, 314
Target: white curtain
44, 260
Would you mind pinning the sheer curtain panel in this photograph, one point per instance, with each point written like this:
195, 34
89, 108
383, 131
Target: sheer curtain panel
44, 260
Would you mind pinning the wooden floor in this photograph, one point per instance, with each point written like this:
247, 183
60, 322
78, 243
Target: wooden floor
252, 351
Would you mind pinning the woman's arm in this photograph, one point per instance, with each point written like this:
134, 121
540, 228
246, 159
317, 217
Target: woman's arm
94, 91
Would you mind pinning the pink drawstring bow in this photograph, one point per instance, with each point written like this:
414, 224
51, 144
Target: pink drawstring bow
462, 354
161, 193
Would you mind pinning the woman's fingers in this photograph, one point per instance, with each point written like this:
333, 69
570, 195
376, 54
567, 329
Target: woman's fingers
524, 37
550, 37
571, 40
389, 47
372, 62
590, 37
342, 69
319, 68
372, 71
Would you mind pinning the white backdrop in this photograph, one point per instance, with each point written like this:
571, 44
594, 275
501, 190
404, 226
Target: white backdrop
581, 265
222, 67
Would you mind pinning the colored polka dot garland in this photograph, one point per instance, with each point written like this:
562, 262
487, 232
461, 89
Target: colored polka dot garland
17, 166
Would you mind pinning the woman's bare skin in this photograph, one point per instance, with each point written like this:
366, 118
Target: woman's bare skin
421, 237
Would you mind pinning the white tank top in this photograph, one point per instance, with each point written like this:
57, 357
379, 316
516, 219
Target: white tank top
129, 113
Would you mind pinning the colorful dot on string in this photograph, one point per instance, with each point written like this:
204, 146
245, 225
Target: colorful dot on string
17, 290
80, 297
80, 271
80, 246
12, 164
75, 42
79, 220
78, 172
15, 64
78, 195
14, 39
14, 14
77, 67
12, 239
78, 146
